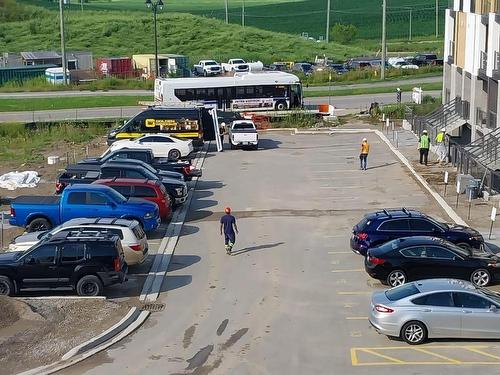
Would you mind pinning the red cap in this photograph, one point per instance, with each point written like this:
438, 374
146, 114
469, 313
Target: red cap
227, 210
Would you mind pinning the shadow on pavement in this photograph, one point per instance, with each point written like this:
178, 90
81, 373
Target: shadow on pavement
208, 185
175, 282
202, 194
381, 165
179, 262
188, 230
268, 144
198, 215
258, 247
203, 203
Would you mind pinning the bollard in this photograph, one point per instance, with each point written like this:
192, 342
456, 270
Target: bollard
492, 218
445, 182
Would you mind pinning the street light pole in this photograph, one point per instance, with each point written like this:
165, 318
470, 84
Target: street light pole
63, 42
243, 14
437, 18
155, 6
227, 15
382, 65
328, 21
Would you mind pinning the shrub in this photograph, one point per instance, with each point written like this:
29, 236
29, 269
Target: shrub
344, 33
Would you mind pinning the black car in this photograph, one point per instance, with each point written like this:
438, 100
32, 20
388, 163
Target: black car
422, 257
147, 156
379, 227
424, 59
82, 261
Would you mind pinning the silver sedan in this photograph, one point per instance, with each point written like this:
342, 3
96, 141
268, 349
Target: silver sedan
436, 308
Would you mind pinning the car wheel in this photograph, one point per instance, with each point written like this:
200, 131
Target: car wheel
465, 246
396, 278
174, 154
39, 225
6, 286
414, 333
89, 286
480, 277
281, 106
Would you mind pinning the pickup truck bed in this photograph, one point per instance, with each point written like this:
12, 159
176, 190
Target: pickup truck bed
37, 199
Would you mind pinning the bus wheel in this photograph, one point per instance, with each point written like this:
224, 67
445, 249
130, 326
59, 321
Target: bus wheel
281, 105
174, 154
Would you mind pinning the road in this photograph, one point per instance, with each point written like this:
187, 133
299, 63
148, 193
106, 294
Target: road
293, 299
335, 86
344, 102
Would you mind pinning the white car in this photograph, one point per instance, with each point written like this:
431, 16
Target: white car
162, 145
132, 237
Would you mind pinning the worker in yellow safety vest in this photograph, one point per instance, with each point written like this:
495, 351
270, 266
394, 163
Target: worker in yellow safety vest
424, 143
440, 146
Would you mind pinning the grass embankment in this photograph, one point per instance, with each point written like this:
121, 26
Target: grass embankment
38, 104
23, 145
295, 17
372, 90
127, 33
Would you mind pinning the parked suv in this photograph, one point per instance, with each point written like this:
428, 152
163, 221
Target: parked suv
379, 227
69, 260
153, 191
133, 239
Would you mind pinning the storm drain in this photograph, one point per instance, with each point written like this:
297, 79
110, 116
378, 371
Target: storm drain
153, 307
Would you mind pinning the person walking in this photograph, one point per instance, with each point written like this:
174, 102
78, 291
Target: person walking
228, 227
440, 146
363, 155
424, 143
222, 132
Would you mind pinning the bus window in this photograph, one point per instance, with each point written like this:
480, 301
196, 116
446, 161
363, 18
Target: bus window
180, 94
249, 92
240, 92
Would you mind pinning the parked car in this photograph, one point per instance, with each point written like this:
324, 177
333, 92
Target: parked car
280, 67
85, 262
236, 65
162, 145
303, 67
243, 133
129, 168
424, 59
38, 213
133, 239
414, 258
207, 68
153, 191
338, 68
379, 227
147, 156
436, 308
405, 65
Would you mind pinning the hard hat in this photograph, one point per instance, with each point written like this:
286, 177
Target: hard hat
443, 130
364, 139
227, 210
425, 131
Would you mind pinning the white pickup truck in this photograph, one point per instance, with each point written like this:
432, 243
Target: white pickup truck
235, 65
243, 133
207, 68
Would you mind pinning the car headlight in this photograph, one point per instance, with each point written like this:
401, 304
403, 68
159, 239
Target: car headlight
112, 134
149, 215
476, 237
179, 191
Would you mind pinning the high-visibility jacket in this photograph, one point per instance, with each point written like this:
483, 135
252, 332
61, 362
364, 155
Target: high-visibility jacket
440, 137
365, 148
424, 141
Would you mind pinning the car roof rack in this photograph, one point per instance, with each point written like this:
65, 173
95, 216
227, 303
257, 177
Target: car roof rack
406, 211
386, 212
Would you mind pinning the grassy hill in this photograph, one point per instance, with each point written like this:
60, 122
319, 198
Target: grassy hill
298, 16
115, 33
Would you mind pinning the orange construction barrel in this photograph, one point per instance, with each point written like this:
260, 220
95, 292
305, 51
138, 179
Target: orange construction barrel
323, 109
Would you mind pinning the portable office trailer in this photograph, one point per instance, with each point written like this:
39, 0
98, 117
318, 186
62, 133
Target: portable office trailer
23, 73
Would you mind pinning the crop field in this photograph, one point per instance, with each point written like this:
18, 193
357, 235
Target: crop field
297, 17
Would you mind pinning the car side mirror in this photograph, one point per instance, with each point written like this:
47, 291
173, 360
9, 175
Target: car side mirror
493, 309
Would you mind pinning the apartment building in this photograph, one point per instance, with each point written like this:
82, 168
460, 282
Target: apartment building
472, 63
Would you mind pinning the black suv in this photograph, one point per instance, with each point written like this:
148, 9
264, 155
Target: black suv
81, 261
379, 227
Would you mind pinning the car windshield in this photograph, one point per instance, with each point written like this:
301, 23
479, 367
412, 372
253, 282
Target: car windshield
391, 245
495, 296
306, 67
400, 292
443, 226
210, 63
116, 196
243, 125
238, 62
456, 249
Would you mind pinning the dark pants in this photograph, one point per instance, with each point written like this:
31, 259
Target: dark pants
222, 141
229, 238
424, 154
363, 160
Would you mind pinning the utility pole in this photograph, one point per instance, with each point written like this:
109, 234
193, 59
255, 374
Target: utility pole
227, 15
384, 46
411, 15
81, 4
437, 18
63, 42
328, 21
243, 14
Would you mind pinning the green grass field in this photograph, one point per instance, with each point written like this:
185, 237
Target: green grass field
372, 90
296, 17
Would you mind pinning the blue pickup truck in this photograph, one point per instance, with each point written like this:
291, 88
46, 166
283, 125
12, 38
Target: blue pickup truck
40, 213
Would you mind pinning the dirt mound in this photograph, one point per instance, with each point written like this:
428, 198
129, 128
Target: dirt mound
12, 310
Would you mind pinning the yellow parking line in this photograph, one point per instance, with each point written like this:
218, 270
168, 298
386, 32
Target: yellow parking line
483, 353
356, 318
351, 270
451, 360
354, 357
392, 359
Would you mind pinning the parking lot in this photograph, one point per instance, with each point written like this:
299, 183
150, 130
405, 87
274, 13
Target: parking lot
293, 298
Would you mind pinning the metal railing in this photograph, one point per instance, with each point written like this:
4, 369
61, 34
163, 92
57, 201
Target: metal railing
483, 62
481, 117
496, 59
492, 120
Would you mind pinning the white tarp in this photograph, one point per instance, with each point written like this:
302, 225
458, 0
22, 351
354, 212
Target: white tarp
14, 180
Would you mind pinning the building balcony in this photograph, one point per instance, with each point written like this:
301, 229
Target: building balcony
483, 65
451, 52
492, 120
496, 66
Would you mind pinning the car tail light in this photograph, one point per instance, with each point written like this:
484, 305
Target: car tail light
136, 247
187, 170
117, 264
362, 236
383, 309
375, 260
12, 212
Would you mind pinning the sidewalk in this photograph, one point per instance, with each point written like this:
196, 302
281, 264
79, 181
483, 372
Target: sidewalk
406, 142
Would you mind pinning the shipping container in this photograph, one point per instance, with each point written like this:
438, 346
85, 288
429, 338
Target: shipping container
169, 64
120, 67
23, 73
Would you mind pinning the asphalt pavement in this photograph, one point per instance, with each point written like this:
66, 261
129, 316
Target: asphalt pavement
293, 298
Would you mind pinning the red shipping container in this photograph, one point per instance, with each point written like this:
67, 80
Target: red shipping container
121, 67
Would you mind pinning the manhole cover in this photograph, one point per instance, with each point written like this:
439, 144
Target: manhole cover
154, 307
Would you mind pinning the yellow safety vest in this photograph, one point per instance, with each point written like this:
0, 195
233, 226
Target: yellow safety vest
440, 137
